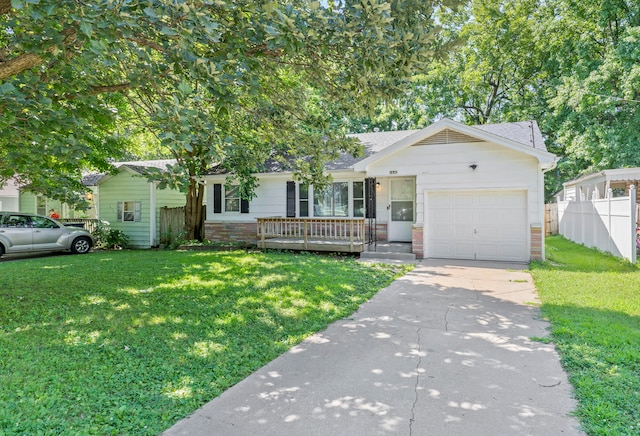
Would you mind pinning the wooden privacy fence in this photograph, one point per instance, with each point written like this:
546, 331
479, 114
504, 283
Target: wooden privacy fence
550, 219
315, 234
171, 224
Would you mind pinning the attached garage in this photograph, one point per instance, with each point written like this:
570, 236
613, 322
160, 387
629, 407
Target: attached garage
477, 225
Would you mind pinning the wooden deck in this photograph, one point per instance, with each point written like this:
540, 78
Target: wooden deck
312, 234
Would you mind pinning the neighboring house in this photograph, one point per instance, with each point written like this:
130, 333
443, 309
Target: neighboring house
39, 204
126, 200
595, 186
131, 203
452, 190
9, 197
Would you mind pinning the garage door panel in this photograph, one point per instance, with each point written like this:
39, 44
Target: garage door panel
462, 200
489, 225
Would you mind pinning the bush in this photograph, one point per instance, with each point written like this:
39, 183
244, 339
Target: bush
109, 238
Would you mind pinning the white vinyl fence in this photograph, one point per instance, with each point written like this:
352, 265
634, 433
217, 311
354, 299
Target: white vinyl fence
608, 224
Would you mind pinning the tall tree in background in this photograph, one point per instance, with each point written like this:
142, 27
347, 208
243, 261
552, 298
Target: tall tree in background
572, 66
199, 74
597, 52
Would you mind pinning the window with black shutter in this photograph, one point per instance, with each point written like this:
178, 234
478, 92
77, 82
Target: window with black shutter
291, 199
217, 198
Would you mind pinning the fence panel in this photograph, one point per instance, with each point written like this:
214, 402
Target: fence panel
551, 219
608, 224
171, 224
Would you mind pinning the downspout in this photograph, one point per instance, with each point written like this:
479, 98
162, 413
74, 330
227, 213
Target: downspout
153, 229
541, 212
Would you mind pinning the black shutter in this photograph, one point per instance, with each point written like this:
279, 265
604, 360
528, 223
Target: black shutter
370, 197
217, 198
291, 199
244, 206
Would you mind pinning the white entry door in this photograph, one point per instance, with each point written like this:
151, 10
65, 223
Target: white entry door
485, 225
401, 209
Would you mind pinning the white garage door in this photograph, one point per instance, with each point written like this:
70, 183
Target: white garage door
483, 225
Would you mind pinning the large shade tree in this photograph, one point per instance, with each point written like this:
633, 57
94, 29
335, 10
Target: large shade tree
226, 83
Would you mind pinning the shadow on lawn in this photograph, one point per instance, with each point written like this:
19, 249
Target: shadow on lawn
153, 349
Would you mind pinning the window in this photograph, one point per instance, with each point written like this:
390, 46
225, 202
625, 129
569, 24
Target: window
332, 201
303, 195
129, 211
358, 199
232, 199
40, 222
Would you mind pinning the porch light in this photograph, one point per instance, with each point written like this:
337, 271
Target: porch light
378, 186
89, 196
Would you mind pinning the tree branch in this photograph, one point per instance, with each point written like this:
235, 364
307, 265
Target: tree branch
20, 63
5, 7
27, 61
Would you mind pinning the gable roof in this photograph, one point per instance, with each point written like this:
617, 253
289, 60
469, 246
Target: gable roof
522, 136
139, 167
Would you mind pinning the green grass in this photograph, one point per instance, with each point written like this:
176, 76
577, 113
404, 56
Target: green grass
130, 342
593, 303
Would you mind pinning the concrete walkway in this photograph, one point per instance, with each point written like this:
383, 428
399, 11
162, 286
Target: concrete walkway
444, 350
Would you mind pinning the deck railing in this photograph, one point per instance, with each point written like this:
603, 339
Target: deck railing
312, 229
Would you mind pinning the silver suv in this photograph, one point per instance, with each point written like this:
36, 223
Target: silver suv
23, 232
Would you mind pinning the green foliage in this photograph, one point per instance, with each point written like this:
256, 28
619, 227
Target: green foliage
592, 301
232, 83
134, 341
572, 66
110, 238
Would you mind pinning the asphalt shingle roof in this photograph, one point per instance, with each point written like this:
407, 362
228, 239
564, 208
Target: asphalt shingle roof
525, 132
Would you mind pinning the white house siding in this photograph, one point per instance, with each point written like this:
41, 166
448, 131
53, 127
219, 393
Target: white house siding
9, 197
446, 167
271, 197
270, 200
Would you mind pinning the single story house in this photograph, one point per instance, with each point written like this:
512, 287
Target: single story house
129, 202
596, 185
452, 190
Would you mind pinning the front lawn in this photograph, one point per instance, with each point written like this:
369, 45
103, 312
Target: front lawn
130, 342
593, 303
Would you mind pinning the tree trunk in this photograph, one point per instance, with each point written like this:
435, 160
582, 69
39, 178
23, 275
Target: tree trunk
193, 219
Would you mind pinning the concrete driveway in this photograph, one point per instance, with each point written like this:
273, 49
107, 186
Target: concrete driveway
444, 350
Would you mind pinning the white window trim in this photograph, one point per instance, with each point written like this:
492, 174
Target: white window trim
311, 200
137, 211
224, 201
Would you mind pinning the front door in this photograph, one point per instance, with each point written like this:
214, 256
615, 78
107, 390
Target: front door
401, 209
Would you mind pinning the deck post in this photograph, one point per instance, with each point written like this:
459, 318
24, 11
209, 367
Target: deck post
262, 231
304, 237
351, 235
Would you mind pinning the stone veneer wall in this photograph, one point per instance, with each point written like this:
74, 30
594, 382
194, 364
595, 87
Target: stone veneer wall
536, 243
230, 231
417, 240
381, 230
